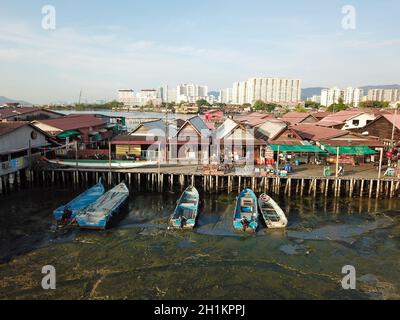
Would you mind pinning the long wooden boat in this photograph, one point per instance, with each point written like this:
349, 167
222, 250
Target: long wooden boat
186, 210
245, 217
99, 215
101, 164
67, 213
272, 213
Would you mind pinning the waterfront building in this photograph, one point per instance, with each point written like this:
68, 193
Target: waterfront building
27, 114
147, 97
191, 142
187, 108
213, 115
18, 141
384, 126
90, 130
127, 97
142, 98
334, 137
143, 143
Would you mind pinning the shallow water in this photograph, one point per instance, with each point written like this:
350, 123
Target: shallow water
142, 259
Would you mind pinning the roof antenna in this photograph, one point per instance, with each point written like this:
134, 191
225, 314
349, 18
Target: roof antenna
80, 96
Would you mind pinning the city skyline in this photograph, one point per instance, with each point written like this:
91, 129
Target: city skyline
104, 47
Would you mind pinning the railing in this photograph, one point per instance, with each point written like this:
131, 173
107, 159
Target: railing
16, 164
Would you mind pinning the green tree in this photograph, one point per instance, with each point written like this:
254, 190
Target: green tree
312, 105
202, 103
336, 107
260, 105
220, 105
374, 104
300, 108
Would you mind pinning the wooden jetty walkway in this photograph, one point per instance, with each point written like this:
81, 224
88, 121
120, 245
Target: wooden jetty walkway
362, 182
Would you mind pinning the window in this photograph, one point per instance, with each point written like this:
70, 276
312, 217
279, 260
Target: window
34, 135
356, 122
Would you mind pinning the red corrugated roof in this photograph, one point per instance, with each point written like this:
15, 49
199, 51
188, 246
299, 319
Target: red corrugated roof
296, 117
7, 127
393, 119
339, 118
254, 118
316, 133
73, 122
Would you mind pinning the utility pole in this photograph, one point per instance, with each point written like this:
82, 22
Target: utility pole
76, 154
337, 162
166, 136
80, 97
394, 126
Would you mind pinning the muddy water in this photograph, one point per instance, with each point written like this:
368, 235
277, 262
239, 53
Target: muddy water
142, 259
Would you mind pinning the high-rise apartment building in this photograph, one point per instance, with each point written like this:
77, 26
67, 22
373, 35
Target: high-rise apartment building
191, 92
331, 96
353, 96
225, 96
127, 97
389, 95
275, 90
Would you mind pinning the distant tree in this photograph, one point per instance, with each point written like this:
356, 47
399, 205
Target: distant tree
374, 104
284, 110
202, 103
220, 105
312, 105
300, 108
260, 105
336, 107
246, 105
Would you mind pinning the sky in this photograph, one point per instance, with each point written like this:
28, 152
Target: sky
103, 46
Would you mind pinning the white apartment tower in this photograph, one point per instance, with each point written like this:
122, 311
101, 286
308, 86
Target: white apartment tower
353, 96
331, 96
389, 95
225, 96
191, 92
275, 90
127, 97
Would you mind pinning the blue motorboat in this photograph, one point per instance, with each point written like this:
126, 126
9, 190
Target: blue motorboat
185, 214
68, 212
109, 206
245, 217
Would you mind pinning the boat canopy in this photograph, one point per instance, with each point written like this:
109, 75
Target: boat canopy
187, 206
350, 150
296, 148
68, 133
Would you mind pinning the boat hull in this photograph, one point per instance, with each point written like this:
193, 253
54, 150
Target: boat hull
188, 201
79, 203
102, 164
106, 210
272, 213
246, 207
